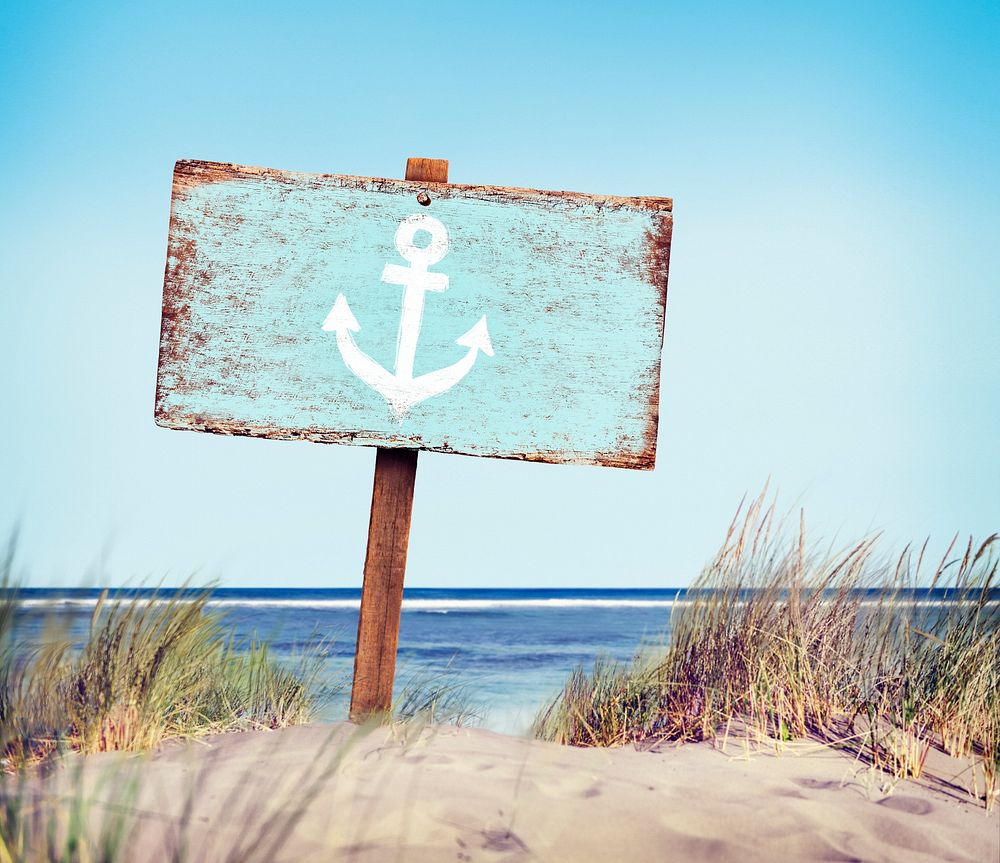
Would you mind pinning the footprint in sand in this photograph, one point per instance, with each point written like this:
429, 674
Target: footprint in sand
816, 784
791, 793
424, 758
502, 840
909, 805
565, 785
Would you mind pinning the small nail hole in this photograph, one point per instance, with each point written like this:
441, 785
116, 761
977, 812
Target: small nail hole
424, 199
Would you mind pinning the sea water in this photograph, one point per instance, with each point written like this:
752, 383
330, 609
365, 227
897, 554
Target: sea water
509, 650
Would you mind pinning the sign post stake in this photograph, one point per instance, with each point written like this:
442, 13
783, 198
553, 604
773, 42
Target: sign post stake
388, 538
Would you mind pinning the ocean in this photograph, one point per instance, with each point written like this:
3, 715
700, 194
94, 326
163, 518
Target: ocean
510, 649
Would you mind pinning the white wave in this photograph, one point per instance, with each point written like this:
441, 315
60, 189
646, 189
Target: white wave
438, 605
435, 605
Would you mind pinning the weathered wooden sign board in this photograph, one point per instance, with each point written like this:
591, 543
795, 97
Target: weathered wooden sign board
411, 315
493, 322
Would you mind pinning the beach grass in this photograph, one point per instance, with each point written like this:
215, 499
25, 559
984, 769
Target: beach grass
151, 668
437, 698
789, 640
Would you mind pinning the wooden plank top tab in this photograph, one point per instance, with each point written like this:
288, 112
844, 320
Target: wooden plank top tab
427, 170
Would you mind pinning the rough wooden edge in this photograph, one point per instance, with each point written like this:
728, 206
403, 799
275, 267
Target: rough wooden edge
169, 312
191, 173
658, 270
641, 460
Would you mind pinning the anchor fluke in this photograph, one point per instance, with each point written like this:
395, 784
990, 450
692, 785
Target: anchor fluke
477, 338
341, 318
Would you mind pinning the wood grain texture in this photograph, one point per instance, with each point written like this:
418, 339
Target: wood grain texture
385, 559
382, 592
572, 286
427, 170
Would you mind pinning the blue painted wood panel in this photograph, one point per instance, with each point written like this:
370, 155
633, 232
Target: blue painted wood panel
520, 324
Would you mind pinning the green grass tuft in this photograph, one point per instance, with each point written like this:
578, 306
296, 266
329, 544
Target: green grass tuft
151, 669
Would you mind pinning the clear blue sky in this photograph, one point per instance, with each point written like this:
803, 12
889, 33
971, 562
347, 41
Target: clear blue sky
833, 318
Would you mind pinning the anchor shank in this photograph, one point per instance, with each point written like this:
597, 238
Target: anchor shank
409, 329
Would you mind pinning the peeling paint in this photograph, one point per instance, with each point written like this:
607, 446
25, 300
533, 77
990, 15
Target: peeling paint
574, 287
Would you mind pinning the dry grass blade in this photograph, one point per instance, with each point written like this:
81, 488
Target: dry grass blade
793, 642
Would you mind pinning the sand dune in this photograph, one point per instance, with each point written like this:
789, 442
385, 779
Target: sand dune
438, 794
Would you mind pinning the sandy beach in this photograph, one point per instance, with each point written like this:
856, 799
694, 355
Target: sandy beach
404, 793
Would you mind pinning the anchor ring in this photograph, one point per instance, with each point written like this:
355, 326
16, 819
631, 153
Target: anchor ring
422, 255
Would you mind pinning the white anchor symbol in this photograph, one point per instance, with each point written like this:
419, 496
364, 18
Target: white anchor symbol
401, 390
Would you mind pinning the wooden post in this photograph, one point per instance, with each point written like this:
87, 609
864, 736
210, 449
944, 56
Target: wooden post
388, 538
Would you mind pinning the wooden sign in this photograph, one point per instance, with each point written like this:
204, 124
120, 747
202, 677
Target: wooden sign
468, 319
411, 315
